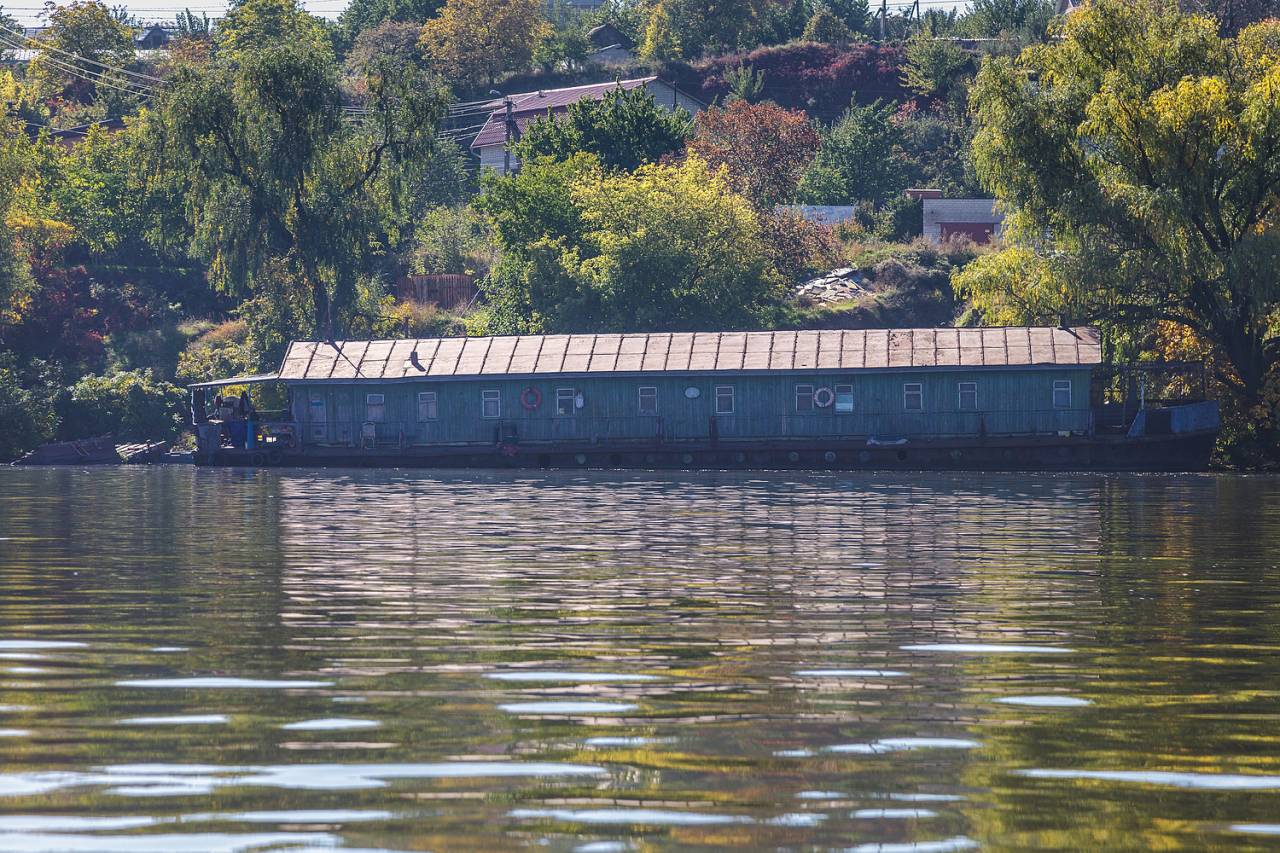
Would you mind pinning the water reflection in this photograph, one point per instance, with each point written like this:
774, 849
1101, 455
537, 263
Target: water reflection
596, 662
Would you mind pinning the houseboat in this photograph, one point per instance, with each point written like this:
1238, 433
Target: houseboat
992, 399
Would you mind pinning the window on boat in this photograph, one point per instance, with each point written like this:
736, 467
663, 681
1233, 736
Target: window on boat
912, 397
648, 400
968, 394
491, 403
1062, 393
724, 399
565, 401
804, 398
844, 399
375, 408
428, 406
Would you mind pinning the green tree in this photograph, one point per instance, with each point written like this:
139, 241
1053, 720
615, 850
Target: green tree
478, 41
624, 129
1138, 158
745, 83
192, 26
666, 247
825, 28
452, 240
686, 29
16, 284
281, 191
936, 67
103, 45
855, 160
566, 45
1021, 21
855, 14
361, 15
661, 40
27, 417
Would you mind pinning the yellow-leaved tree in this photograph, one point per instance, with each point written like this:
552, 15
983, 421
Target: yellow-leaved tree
1137, 157
478, 41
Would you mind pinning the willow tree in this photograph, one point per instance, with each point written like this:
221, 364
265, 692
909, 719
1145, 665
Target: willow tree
282, 183
1138, 160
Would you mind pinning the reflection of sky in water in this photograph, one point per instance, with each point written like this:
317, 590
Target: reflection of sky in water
606, 661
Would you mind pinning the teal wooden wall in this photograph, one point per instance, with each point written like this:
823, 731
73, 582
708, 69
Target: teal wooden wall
1009, 402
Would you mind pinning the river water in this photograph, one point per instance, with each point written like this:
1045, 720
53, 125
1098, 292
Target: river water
248, 660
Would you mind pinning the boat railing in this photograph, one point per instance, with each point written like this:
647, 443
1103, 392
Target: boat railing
821, 425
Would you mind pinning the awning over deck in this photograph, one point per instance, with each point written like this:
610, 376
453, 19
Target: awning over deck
256, 379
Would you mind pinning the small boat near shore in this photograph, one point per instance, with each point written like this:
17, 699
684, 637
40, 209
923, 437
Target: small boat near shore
100, 450
1018, 398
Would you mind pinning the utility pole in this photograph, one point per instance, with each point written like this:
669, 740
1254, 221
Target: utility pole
884, 14
506, 150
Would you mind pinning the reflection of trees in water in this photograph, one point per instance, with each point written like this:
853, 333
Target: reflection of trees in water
1179, 660
131, 550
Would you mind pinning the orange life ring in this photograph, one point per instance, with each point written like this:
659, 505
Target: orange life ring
531, 398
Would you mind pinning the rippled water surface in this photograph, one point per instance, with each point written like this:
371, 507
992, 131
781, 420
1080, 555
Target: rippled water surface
234, 661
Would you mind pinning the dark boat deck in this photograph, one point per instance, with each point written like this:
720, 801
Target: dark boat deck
1184, 452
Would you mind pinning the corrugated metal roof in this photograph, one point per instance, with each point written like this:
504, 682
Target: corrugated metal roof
697, 352
530, 106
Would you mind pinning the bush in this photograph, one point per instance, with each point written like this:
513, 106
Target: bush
132, 405
216, 352
817, 78
452, 240
410, 319
27, 417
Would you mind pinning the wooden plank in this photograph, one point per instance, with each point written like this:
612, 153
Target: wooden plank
297, 361
471, 360
427, 349
899, 349
347, 362
497, 361
853, 349
445, 361
376, 358
630, 362
1089, 348
524, 359
1041, 346
655, 353
995, 349
831, 350
944, 339
681, 349
581, 345
924, 349
552, 354
1018, 343
398, 365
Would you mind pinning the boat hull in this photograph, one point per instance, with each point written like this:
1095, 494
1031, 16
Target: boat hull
1169, 453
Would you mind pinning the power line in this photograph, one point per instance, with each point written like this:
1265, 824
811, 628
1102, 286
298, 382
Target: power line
96, 78
48, 47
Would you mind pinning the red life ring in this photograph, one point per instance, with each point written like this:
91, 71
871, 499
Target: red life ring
531, 398
823, 397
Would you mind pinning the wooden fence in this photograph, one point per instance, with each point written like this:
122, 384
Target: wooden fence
447, 291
